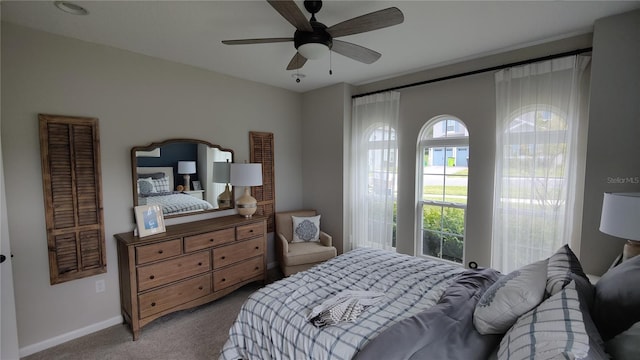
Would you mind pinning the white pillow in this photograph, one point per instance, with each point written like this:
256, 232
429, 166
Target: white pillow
553, 330
306, 228
510, 297
161, 185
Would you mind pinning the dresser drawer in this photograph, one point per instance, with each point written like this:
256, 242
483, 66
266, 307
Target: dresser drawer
165, 298
238, 273
249, 231
203, 241
171, 270
159, 251
230, 254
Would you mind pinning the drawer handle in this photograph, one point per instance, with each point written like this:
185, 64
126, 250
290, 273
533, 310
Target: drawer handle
257, 268
251, 230
200, 288
211, 240
160, 251
200, 264
223, 257
153, 304
257, 247
223, 279
152, 277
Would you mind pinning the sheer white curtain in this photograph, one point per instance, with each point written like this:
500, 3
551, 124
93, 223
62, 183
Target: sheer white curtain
540, 158
373, 170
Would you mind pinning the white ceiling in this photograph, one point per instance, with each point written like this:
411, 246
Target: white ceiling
433, 33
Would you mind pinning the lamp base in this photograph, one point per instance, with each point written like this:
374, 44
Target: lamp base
247, 204
224, 199
631, 249
187, 179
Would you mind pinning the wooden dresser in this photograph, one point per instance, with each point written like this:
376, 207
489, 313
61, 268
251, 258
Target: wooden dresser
189, 265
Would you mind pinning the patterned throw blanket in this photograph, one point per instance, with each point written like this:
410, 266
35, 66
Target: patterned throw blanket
345, 306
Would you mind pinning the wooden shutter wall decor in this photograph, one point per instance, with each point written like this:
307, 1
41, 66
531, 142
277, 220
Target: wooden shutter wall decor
71, 180
261, 151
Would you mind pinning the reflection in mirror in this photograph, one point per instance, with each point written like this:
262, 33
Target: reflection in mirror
164, 174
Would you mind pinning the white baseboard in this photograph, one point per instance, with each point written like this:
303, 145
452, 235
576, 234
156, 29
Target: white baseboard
43, 345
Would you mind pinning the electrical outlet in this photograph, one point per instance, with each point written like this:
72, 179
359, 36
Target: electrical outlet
100, 286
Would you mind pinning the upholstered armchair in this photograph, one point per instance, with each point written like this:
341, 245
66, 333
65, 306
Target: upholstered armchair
299, 256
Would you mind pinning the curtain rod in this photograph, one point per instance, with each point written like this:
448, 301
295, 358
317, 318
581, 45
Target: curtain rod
474, 72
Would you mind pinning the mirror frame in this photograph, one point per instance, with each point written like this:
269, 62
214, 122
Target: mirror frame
134, 171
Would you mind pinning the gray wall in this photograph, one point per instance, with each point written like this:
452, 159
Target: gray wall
138, 100
323, 130
472, 100
613, 148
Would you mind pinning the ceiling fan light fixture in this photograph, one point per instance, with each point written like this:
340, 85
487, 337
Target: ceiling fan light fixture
71, 8
313, 51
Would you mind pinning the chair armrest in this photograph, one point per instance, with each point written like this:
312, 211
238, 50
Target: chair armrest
284, 245
325, 239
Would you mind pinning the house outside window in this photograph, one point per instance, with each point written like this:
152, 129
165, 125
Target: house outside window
443, 155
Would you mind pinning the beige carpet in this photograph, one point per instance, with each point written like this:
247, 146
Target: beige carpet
197, 333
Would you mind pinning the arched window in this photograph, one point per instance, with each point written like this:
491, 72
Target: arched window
443, 160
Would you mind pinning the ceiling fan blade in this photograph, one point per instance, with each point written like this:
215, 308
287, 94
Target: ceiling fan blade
355, 52
296, 62
292, 13
256, 41
372, 21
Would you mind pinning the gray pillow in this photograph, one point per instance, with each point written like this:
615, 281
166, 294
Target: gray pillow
146, 186
158, 175
625, 345
617, 299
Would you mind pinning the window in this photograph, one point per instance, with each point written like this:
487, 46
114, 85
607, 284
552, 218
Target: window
373, 171
540, 139
443, 152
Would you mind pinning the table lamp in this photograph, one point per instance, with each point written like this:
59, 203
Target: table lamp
621, 218
221, 175
246, 175
185, 168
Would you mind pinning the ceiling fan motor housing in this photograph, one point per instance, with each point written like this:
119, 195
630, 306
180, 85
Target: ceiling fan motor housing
319, 35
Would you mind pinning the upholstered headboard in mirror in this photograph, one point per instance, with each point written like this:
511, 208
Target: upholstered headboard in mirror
157, 179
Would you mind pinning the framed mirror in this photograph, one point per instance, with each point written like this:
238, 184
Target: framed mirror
183, 176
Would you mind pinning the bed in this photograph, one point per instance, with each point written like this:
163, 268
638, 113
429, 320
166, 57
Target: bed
155, 187
430, 310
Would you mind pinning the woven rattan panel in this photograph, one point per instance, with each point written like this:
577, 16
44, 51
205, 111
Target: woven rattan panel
261, 151
72, 188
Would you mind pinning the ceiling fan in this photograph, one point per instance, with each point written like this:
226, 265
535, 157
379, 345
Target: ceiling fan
313, 39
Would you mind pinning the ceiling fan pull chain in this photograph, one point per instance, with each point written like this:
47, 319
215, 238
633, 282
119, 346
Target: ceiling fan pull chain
330, 63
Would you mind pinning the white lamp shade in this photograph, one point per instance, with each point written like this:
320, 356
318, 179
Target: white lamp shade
621, 215
186, 167
313, 51
246, 174
221, 172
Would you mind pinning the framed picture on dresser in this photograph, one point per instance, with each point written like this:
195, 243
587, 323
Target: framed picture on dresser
149, 220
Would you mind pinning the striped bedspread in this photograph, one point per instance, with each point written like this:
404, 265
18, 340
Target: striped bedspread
178, 203
272, 323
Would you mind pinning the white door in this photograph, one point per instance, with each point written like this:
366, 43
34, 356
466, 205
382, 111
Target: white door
8, 328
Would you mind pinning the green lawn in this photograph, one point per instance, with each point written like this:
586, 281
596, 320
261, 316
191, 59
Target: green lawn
451, 190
